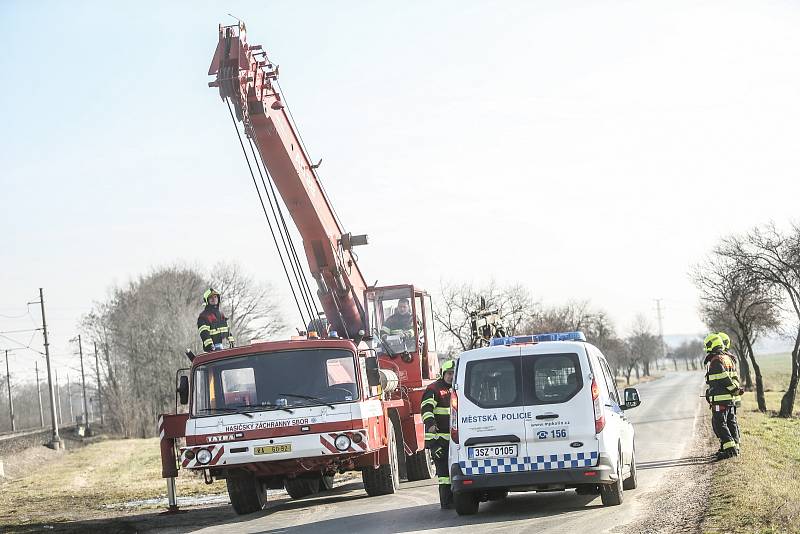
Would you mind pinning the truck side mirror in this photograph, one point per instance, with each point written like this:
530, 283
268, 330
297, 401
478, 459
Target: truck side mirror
631, 398
373, 375
183, 389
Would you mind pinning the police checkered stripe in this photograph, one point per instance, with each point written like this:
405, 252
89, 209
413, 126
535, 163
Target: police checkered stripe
535, 463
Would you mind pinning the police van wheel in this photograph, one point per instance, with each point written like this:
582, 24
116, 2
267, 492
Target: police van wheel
611, 494
384, 480
246, 492
300, 487
420, 466
631, 482
466, 503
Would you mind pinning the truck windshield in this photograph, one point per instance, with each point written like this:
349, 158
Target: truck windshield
276, 380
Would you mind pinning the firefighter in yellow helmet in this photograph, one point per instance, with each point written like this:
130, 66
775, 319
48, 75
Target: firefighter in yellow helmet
721, 393
435, 409
733, 424
212, 325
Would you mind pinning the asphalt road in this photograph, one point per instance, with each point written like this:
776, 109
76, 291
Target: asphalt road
664, 426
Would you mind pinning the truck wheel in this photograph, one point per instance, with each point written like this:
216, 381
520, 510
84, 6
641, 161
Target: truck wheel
611, 494
466, 503
384, 480
631, 482
326, 483
300, 487
246, 492
419, 466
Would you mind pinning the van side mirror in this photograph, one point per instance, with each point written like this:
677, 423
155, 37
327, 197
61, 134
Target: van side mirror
631, 398
373, 375
183, 389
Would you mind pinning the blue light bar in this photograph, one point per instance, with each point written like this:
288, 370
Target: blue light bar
538, 338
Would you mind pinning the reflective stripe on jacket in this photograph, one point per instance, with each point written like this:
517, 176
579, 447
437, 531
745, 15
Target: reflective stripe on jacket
722, 380
212, 325
435, 410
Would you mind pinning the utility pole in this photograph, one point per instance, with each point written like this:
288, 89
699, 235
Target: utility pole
660, 330
69, 396
99, 393
58, 396
55, 441
83, 384
39, 395
10, 400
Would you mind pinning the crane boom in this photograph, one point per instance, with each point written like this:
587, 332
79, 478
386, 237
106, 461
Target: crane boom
246, 78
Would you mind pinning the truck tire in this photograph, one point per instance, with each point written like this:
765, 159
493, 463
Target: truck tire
466, 502
632, 481
326, 483
611, 494
246, 492
419, 466
384, 480
300, 487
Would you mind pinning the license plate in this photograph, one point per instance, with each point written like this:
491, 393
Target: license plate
272, 449
492, 451
552, 433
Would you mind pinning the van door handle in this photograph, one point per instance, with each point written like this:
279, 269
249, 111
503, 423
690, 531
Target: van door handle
547, 416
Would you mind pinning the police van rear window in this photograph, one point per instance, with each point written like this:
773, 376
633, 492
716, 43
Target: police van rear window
494, 383
551, 378
526, 380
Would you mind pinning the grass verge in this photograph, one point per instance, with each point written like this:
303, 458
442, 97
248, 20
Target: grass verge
759, 491
81, 484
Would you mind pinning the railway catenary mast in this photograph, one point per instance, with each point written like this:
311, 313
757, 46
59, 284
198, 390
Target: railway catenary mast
247, 80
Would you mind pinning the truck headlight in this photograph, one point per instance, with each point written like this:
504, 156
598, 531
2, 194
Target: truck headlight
203, 456
342, 442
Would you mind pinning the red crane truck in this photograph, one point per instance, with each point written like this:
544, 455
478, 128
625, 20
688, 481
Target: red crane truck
291, 414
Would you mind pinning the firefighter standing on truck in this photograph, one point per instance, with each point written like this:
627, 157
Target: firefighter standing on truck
212, 325
435, 409
721, 393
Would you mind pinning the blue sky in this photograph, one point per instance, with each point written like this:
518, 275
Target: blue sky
590, 150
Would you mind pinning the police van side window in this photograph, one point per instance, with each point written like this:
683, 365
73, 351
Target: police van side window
551, 378
494, 383
610, 382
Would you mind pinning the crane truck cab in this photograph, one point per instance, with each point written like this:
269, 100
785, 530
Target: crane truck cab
539, 413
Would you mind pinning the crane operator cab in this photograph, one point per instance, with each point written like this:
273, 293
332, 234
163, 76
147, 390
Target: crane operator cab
400, 326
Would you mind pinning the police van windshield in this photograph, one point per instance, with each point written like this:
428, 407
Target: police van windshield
526, 380
278, 380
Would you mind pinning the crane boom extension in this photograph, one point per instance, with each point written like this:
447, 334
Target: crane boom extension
245, 76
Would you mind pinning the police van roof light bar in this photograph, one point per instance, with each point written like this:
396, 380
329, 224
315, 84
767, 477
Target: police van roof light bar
538, 338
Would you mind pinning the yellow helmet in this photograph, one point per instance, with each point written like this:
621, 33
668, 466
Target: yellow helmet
713, 341
726, 340
448, 365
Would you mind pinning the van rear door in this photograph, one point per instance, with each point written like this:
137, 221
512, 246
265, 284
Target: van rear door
491, 389
559, 429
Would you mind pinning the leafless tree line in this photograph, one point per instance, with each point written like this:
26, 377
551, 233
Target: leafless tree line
750, 286
520, 313
144, 327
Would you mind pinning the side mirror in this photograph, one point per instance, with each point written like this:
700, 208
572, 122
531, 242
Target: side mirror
183, 389
373, 375
631, 398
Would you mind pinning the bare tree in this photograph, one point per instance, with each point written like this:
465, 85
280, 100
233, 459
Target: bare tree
643, 344
514, 304
773, 257
733, 299
253, 308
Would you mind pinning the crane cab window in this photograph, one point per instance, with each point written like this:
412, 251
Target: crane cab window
394, 320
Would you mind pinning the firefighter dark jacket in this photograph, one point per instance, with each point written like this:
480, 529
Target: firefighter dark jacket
212, 325
435, 408
722, 381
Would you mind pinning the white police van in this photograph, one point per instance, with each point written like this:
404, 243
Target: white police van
539, 413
